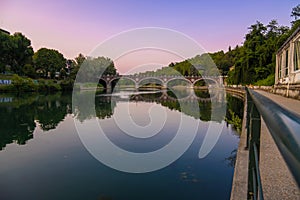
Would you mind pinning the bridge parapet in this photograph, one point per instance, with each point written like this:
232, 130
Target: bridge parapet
163, 79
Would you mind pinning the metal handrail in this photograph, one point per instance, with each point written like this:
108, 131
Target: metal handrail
253, 125
284, 127
257, 172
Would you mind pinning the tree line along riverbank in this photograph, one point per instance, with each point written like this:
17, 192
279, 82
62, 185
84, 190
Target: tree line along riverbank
48, 70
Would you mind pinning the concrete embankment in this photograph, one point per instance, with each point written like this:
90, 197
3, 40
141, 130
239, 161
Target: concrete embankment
240, 177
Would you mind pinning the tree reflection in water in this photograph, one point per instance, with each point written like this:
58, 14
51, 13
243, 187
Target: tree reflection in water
20, 117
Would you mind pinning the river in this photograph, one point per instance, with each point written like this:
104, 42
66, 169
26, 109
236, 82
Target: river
46, 150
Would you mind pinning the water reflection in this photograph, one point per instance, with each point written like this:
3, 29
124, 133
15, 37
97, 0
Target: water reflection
234, 112
55, 164
24, 112
20, 114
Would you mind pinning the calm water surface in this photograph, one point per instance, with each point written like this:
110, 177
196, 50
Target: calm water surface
42, 156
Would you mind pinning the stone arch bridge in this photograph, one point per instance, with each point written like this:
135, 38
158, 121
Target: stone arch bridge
109, 81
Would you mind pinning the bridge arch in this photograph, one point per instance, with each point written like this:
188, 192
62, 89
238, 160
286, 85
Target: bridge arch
179, 78
162, 83
109, 82
206, 80
103, 82
112, 82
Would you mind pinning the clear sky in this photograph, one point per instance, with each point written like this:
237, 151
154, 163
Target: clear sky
77, 26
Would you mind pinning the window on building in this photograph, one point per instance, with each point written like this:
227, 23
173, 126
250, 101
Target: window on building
296, 55
279, 65
286, 62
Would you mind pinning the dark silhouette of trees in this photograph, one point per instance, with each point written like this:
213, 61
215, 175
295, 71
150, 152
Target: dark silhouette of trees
15, 51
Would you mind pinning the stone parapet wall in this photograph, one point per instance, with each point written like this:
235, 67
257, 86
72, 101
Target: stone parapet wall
291, 91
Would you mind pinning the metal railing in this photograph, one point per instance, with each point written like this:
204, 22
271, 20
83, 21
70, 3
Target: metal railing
284, 127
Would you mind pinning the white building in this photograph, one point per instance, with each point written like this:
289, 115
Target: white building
288, 61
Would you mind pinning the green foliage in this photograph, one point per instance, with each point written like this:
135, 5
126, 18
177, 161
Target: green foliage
24, 84
48, 85
7, 88
48, 61
15, 51
296, 12
51, 110
21, 84
224, 60
28, 70
235, 112
248, 64
5, 51
186, 68
21, 116
269, 81
75, 65
203, 65
200, 65
256, 59
235, 120
91, 68
67, 84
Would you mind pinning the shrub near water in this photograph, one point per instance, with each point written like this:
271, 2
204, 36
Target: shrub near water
67, 84
23, 84
48, 85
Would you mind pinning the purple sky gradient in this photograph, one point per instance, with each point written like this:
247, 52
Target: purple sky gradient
78, 26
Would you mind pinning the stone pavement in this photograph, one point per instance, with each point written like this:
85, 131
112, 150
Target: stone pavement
277, 180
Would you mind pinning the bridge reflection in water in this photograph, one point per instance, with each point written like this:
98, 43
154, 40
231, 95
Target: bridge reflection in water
210, 101
48, 122
23, 113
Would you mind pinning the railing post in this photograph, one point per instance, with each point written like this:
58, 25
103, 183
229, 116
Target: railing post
284, 127
253, 144
248, 112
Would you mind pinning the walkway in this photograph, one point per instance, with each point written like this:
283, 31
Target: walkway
277, 181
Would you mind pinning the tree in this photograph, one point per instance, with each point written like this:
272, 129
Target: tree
80, 59
296, 12
22, 52
15, 51
255, 60
29, 71
74, 65
4, 50
223, 60
48, 61
92, 67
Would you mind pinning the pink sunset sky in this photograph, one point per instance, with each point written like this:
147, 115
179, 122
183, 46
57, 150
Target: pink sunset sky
78, 26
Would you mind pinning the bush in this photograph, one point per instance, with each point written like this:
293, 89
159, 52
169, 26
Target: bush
52, 85
269, 81
45, 85
67, 84
7, 88
42, 86
23, 84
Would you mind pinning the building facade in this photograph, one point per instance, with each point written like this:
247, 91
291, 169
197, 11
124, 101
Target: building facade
288, 61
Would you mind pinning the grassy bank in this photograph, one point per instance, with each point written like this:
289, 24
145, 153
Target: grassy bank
25, 84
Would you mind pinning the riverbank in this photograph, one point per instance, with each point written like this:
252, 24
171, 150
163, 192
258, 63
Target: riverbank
15, 83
